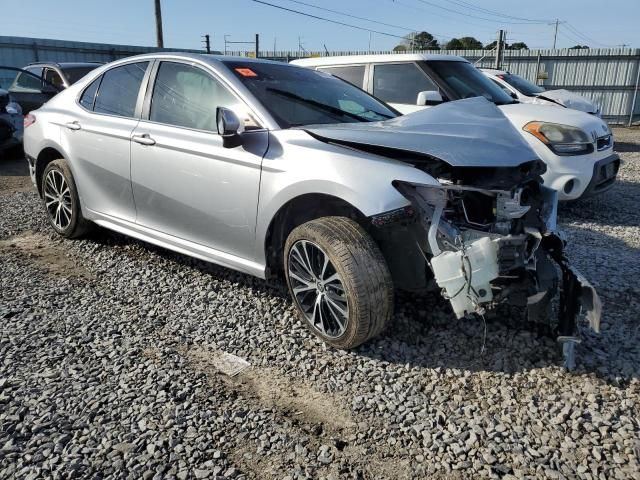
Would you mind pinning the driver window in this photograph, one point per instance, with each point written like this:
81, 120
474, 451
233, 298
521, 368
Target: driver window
187, 96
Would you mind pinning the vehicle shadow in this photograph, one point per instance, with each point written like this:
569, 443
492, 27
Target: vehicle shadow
13, 165
626, 147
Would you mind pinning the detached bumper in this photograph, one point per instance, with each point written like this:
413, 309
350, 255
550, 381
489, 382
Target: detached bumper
604, 176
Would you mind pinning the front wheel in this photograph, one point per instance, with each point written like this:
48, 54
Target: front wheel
339, 281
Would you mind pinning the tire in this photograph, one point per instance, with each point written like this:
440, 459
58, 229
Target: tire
61, 201
354, 284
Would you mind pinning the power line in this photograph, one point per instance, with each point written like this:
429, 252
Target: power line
462, 3
581, 35
443, 15
475, 16
327, 19
354, 16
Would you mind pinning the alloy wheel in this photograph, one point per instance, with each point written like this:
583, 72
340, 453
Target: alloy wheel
318, 289
57, 198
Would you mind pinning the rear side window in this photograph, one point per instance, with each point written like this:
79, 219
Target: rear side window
89, 94
187, 96
400, 83
25, 82
354, 74
118, 92
53, 77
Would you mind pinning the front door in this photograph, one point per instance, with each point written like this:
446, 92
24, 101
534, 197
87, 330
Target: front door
185, 183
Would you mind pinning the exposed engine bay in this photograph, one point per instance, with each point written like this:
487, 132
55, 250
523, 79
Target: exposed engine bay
487, 247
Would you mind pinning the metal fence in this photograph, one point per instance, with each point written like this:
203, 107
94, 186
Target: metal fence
20, 51
608, 76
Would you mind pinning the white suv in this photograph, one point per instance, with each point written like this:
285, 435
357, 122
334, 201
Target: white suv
577, 147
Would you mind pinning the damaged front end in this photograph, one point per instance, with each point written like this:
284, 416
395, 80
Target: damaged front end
491, 246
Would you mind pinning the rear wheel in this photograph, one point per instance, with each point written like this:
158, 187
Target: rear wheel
61, 201
339, 281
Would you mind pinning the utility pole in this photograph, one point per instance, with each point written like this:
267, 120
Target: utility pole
159, 38
207, 43
225, 44
555, 34
499, 47
257, 44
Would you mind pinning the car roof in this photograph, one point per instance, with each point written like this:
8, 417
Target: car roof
211, 59
64, 65
381, 58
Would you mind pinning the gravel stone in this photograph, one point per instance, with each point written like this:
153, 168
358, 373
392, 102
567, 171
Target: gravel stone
107, 370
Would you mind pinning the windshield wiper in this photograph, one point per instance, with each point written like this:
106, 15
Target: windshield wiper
321, 106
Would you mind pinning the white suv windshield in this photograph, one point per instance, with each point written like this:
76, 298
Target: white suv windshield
297, 96
466, 81
522, 85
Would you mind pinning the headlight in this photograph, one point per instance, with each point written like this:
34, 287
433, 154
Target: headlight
561, 139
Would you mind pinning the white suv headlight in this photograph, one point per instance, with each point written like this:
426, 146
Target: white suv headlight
561, 139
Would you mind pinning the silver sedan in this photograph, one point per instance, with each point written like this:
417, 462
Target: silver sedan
284, 172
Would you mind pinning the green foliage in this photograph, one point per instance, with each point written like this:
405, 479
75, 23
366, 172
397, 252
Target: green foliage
418, 41
464, 43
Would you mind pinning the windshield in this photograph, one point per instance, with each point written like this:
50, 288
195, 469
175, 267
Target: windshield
523, 86
297, 96
466, 81
74, 74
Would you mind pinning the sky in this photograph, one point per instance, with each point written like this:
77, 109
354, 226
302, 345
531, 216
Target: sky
596, 23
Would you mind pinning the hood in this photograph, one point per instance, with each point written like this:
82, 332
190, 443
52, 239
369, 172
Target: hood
464, 133
570, 100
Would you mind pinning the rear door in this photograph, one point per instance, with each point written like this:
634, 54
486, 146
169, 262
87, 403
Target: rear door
185, 183
98, 139
399, 84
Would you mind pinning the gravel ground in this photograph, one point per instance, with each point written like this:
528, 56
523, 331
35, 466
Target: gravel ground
109, 367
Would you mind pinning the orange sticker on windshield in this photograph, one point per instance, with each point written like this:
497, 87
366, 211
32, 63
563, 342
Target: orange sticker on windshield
246, 72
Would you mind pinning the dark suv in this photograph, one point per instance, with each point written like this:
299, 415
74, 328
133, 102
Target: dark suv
31, 93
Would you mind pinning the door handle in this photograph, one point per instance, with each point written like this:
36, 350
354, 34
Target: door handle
143, 139
73, 125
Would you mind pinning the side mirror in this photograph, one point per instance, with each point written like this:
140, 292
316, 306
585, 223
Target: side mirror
514, 95
229, 127
429, 97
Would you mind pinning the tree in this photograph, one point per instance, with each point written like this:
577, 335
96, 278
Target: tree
418, 41
470, 43
518, 46
513, 46
464, 43
454, 44
579, 47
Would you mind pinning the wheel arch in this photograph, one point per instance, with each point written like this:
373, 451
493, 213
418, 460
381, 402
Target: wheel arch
44, 158
298, 210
